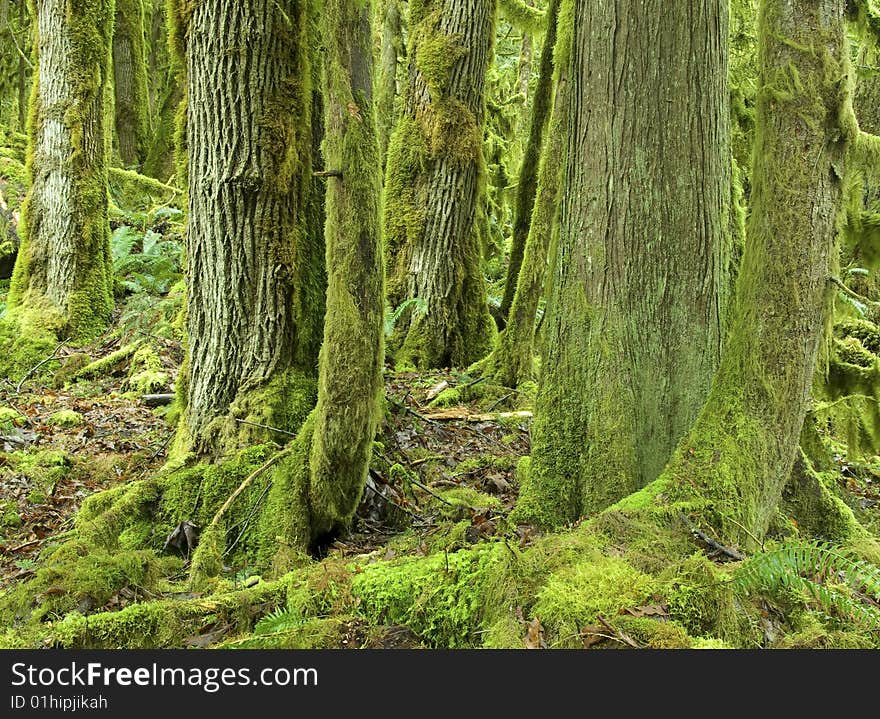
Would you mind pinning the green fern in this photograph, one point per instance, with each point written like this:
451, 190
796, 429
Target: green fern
278, 621
419, 308
841, 587
144, 262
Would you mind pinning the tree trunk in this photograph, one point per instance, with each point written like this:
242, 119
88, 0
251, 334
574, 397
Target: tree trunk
528, 175
249, 173
740, 452
63, 266
635, 308
435, 179
512, 362
132, 100
392, 40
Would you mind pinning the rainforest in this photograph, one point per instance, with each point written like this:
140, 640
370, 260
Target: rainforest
378, 324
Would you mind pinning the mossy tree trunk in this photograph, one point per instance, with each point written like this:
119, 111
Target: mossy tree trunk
160, 160
528, 175
635, 308
249, 176
512, 363
317, 490
740, 452
63, 273
130, 87
435, 180
386, 92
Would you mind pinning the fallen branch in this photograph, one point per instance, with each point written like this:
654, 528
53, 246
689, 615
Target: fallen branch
853, 294
244, 485
265, 426
157, 400
620, 636
464, 416
36, 367
727, 551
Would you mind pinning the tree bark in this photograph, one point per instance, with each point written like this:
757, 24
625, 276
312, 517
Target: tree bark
63, 268
739, 454
435, 178
392, 41
132, 100
249, 173
635, 308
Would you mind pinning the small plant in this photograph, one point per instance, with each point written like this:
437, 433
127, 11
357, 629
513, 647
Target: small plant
418, 306
144, 261
841, 587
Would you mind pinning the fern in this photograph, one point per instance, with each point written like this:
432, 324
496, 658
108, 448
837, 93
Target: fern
144, 262
840, 586
278, 621
419, 308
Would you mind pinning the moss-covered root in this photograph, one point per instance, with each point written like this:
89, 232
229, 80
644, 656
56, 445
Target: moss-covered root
64, 260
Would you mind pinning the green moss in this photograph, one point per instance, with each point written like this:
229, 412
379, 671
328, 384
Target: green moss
145, 373
133, 192
132, 102
28, 335
111, 364
575, 596
66, 418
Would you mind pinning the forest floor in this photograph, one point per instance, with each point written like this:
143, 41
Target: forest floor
434, 467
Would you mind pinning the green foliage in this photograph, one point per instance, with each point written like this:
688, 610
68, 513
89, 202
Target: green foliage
417, 305
830, 579
144, 261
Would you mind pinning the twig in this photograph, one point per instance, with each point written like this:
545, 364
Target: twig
852, 294
622, 637
327, 173
15, 42
36, 367
250, 478
266, 426
411, 480
496, 403
390, 501
247, 520
732, 553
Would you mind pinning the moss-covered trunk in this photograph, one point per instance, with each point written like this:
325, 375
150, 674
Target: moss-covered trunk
130, 87
316, 490
740, 452
635, 307
249, 175
386, 92
435, 180
160, 161
62, 275
527, 186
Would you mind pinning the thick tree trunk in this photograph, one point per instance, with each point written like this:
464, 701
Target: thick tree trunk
249, 174
740, 452
64, 266
528, 175
435, 178
132, 100
635, 310
169, 94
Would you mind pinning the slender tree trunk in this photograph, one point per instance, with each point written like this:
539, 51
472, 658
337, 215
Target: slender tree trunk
635, 308
249, 174
435, 180
132, 99
63, 270
22, 71
528, 175
512, 363
392, 40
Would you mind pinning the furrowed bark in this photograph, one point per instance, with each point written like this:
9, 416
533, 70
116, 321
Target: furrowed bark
435, 178
633, 332
63, 270
249, 174
132, 99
